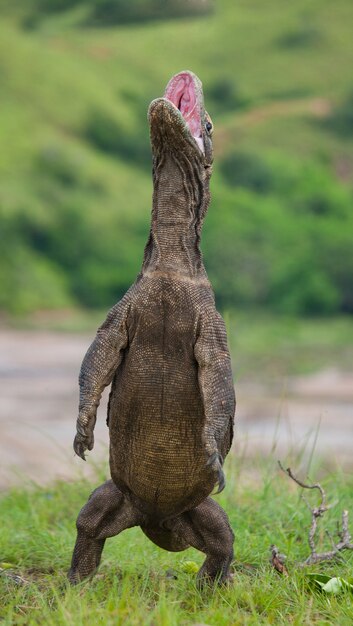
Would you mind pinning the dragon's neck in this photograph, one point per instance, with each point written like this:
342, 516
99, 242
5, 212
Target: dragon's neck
180, 201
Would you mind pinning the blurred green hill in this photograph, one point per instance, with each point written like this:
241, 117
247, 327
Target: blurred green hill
76, 79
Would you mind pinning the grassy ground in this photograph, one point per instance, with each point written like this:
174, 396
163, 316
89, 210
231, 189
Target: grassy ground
140, 584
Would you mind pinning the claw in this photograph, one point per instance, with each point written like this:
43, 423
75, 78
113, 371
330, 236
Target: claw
84, 440
216, 461
79, 449
215, 457
221, 480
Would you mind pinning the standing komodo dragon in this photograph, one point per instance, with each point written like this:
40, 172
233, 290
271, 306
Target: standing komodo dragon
164, 349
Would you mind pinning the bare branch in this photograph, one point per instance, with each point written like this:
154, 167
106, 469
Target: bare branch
316, 512
301, 484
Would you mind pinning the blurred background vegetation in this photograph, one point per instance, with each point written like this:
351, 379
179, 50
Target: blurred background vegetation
76, 79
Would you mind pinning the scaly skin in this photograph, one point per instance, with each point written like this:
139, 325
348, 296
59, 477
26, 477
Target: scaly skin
164, 349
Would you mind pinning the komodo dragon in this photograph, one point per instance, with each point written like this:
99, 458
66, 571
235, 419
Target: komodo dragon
164, 349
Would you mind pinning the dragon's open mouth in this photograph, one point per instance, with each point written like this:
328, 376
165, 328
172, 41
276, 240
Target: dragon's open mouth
181, 91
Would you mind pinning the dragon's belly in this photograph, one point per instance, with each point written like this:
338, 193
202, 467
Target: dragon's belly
156, 419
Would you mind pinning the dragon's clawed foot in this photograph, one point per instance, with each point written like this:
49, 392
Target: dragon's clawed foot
83, 441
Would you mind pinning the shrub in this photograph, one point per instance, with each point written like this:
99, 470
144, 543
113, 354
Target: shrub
341, 119
225, 95
29, 280
56, 164
305, 36
242, 169
108, 135
107, 12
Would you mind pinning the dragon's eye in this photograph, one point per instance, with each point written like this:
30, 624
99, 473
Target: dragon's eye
208, 126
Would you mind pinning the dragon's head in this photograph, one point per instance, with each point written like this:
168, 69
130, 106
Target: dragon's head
179, 122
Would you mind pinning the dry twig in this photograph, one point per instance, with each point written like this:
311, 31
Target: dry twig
277, 561
14, 577
316, 512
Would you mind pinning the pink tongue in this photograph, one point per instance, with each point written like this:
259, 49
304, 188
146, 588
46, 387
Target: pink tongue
182, 94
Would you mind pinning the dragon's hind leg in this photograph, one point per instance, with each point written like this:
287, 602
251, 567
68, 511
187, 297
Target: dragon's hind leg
106, 514
206, 527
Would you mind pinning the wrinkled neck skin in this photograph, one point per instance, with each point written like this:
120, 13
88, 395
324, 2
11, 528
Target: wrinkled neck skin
180, 201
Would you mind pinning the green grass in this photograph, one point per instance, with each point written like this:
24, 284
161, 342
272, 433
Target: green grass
132, 586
